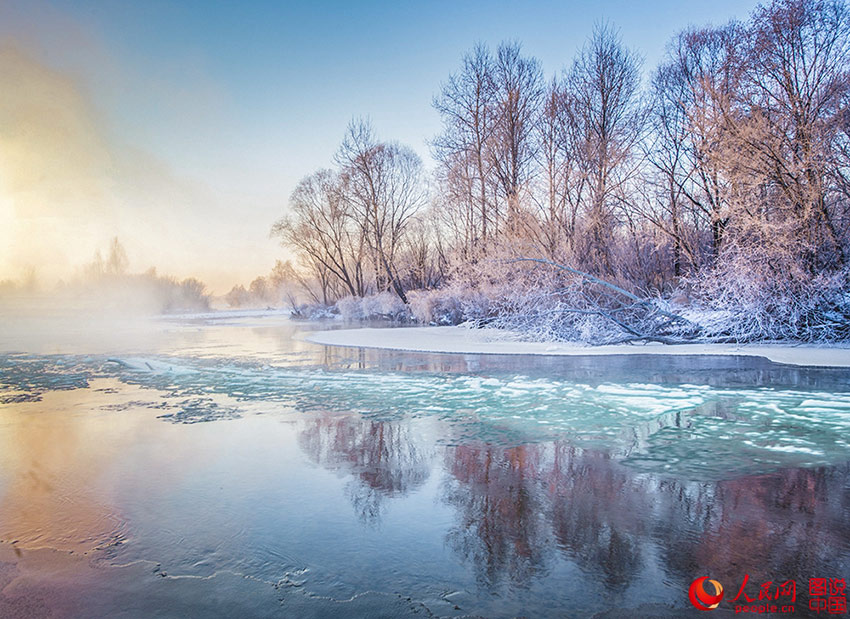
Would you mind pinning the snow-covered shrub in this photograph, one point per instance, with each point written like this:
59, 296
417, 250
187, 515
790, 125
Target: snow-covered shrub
451, 305
187, 295
314, 311
554, 314
750, 308
538, 301
763, 287
384, 305
424, 304
350, 308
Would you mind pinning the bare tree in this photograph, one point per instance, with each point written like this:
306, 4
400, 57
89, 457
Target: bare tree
551, 155
117, 262
793, 110
604, 109
706, 63
322, 229
466, 104
383, 183
519, 92
423, 254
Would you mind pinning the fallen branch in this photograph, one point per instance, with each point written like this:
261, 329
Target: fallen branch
595, 280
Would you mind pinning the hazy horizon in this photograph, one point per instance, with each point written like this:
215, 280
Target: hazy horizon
182, 129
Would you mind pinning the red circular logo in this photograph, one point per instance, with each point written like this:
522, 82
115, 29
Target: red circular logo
702, 599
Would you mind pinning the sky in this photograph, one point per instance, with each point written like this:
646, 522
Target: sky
182, 127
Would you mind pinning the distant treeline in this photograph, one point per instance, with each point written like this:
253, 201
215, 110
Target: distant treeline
106, 284
718, 184
283, 286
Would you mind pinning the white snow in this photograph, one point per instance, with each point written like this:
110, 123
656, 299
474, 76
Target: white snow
472, 341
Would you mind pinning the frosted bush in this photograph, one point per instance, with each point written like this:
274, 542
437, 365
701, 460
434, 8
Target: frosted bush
384, 305
448, 306
350, 308
758, 292
422, 305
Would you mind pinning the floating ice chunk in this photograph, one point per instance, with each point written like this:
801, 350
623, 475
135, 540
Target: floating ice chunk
825, 404
531, 384
154, 366
795, 449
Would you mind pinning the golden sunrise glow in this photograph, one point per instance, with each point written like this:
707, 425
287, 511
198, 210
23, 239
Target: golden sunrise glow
67, 187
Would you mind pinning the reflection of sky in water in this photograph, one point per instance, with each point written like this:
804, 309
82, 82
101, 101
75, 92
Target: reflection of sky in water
455, 481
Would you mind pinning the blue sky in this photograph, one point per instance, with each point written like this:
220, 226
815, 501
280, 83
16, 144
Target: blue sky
242, 99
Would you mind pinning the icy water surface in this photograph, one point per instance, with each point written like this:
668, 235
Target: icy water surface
229, 468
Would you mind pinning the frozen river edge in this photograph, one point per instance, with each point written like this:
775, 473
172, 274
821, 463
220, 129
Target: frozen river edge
461, 340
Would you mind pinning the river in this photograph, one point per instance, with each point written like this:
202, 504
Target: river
223, 466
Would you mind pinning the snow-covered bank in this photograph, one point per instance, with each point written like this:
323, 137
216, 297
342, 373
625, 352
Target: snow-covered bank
463, 340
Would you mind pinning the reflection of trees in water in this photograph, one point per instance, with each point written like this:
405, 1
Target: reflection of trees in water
519, 508
610, 520
517, 505
791, 524
382, 457
501, 527
597, 512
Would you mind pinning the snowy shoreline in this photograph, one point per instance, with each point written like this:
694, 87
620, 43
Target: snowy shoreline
461, 340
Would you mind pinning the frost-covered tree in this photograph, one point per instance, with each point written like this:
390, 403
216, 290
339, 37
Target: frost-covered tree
604, 111
466, 105
721, 190
519, 92
383, 184
324, 230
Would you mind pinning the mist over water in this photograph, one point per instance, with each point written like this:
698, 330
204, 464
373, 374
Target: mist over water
223, 465
69, 182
